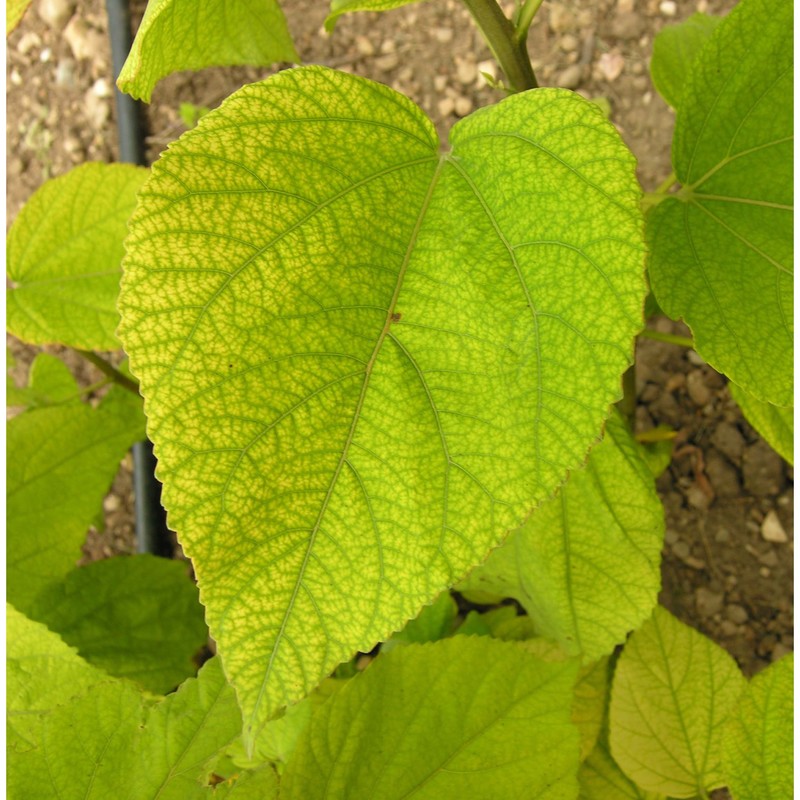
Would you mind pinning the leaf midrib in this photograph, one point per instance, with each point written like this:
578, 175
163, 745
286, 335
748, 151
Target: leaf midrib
356, 417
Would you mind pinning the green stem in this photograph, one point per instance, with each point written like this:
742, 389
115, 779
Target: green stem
682, 341
524, 17
501, 36
651, 199
112, 372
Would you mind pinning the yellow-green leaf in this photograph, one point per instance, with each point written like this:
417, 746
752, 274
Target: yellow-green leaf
774, 423
463, 717
15, 10
757, 749
673, 694
586, 565
184, 34
64, 257
339, 7
365, 360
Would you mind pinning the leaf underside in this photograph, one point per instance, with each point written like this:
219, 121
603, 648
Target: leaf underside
722, 248
364, 360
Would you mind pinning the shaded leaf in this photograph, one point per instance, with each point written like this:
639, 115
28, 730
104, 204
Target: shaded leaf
586, 565
339, 7
674, 50
488, 720
50, 382
63, 461
434, 622
757, 747
774, 424
360, 361
601, 779
672, 696
15, 10
64, 257
722, 248
183, 34
136, 617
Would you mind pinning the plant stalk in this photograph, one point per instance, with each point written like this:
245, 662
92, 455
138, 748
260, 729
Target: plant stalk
111, 371
501, 36
524, 17
682, 341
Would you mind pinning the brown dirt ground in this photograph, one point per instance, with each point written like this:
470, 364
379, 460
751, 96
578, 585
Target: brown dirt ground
719, 573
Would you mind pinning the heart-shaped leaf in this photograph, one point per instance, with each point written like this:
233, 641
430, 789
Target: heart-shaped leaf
365, 360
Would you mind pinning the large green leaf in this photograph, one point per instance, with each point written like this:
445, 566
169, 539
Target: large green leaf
722, 248
137, 617
673, 693
774, 423
674, 50
184, 34
463, 717
110, 742
586, 565
757, 747
62, 460
365, 360
64, 257
339, 7
601, 779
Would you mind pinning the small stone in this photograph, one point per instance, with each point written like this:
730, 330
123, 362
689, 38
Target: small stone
707, 602
681, 550
364, 46
669, 8
724, 477
570, 78
628, 25
569, 43
693, 357
15, 77
79, 38
55, 13
729, 441
98, 112
443, 35
624, 6
670, 536
45, 55
446, 106
111, 503
769, 559
585, 18
772, 530
610, 66
388, 46
697, 389
439, 82
722, 535
779, 651
762, 469
65, 73
736, 614
728, 628
561, 19
463, 106
697, 498
466, 71
27, 42
102, 88
387, 63
764, 572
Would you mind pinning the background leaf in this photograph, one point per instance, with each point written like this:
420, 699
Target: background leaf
64, 459
64, 257
586, 564
339, 7
360, 361
773, 423
672, 696
136, 617
722, 248
50, 382
183, 34
463, 717
674, 50
757, 750
601, 779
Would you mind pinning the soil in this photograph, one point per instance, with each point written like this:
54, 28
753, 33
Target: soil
724, 484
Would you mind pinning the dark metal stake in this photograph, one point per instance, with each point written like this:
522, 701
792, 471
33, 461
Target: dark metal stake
152, 534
